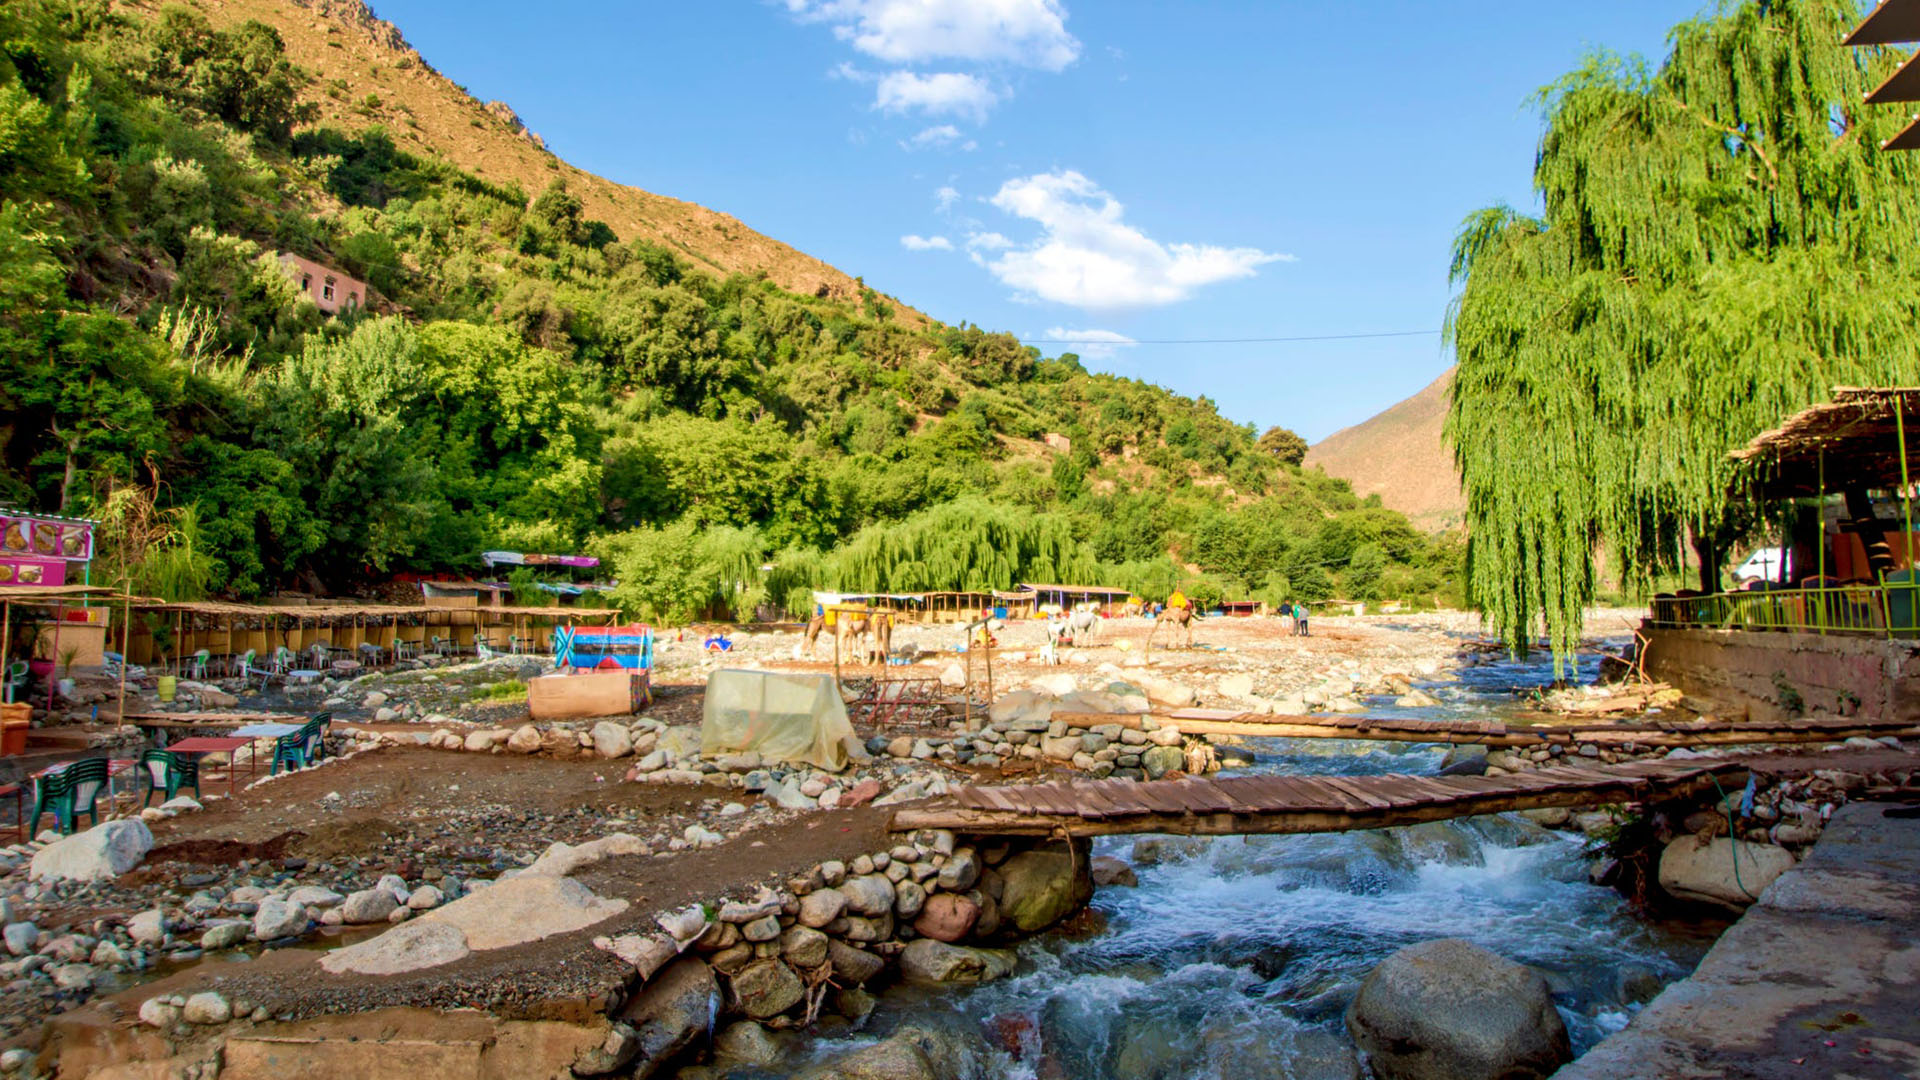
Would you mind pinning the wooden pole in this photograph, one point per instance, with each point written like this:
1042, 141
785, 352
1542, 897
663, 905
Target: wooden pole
6, 641
126, 629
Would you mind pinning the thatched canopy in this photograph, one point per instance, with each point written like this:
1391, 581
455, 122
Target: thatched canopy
1852, 440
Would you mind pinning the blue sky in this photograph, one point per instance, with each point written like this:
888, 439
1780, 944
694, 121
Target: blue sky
1074, 169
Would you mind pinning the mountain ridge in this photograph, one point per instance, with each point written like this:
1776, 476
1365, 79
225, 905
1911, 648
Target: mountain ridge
1401, 455
344, 43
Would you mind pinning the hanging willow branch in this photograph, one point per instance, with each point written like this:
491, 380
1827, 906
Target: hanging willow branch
1671, 301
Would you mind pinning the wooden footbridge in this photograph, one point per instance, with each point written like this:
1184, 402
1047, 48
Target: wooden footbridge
1303, 804
1498, 733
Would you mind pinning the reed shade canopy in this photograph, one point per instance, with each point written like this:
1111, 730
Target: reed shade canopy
1894, 22
1853, 440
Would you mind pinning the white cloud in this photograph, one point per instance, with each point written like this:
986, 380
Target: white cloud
934, 138
944, 93
1025, 33
946, 196
1089, 257
988, 241
926, 243
1092, 344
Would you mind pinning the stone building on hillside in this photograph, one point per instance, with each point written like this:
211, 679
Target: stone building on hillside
331, 290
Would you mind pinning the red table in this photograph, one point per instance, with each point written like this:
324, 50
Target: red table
218, 744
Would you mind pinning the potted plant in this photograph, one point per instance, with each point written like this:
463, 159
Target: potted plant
32, 631
67, 656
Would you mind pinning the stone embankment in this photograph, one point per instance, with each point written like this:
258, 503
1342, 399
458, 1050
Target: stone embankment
930, 908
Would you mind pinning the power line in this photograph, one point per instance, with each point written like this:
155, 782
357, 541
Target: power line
1233, 341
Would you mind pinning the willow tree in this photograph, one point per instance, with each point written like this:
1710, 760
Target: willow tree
1721, 241
967, 544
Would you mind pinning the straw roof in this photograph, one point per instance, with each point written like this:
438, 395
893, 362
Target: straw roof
1850, 440
54, 594
375, 611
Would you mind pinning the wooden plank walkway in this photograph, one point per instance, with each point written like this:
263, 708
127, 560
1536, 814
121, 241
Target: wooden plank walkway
1225, 806
1498, 733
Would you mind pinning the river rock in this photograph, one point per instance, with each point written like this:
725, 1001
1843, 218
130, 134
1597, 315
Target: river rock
206, 1007
1692, 868
961, 871
672, 1010
868, 894
611, 740
947, 917
1111, 872
926, 960
524, 740
1158, 761
277, 918
803, 947
822, 906
20, 937
1447, 1009
101, 853
224, 934
747, 1042
368, 906
1237, 686
148, 927
425, 898
908, 898
410, 946
853, 966
767, 988
159, 1012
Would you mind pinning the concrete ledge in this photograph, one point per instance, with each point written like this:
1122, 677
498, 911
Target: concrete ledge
1829, 953
1743, 671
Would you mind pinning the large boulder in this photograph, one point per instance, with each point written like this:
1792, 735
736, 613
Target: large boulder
101, 853
928, 961
1451, 1010
947, 917
1721, 871
522, 909
869, 894
410, 946
1043, 886
670, 1012
524, 740
911, 1053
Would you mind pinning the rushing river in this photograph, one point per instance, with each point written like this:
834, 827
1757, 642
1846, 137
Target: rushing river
1236, 957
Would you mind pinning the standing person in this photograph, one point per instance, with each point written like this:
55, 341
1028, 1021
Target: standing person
1286, 611
1300, 620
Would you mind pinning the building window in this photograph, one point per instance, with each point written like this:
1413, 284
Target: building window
326, 292
306, 283
353, 299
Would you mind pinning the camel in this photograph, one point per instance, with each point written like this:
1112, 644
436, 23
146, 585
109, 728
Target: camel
1179, 619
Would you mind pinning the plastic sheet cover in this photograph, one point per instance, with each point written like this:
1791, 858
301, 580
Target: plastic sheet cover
782, 716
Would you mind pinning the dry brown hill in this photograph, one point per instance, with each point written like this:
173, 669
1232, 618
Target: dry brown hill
1401, 456
365, 74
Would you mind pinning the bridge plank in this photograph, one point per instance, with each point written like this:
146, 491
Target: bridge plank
1371, 791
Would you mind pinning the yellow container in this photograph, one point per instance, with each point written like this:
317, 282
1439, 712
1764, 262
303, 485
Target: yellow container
167, 684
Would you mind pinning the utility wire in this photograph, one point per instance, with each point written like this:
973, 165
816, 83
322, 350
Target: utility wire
1232, 341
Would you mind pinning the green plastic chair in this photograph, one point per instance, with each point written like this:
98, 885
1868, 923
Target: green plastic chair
317, 730
197, 668
17, 675
70, 792
164, 770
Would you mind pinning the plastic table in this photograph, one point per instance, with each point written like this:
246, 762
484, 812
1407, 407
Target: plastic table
219, 744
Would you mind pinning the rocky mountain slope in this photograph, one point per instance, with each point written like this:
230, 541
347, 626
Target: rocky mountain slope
1401, 456
366, 75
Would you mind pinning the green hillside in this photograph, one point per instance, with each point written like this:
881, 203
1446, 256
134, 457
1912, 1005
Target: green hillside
523, 377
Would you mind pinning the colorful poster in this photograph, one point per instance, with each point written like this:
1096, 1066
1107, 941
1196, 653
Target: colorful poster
31, 572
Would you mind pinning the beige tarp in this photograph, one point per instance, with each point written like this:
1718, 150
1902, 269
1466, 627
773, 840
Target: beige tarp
782, 716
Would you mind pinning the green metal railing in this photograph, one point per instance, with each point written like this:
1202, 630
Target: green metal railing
1888, 610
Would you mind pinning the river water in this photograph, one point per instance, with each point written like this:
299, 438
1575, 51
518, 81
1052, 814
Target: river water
1236, 957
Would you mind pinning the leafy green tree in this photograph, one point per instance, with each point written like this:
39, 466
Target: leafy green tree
1364, 572
1722, 241
1284, 444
